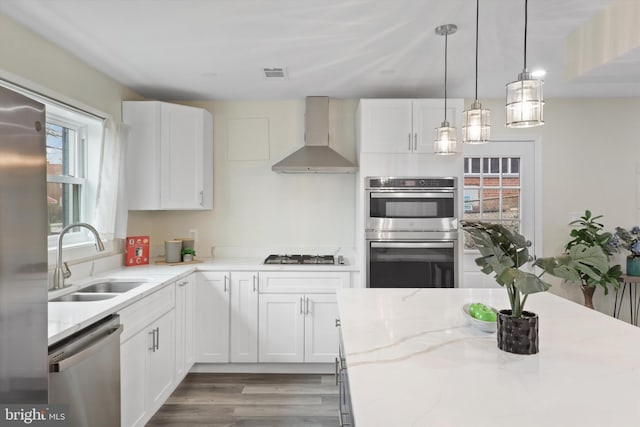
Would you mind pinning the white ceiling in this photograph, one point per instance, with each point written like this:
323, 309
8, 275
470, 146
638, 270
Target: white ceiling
217, 49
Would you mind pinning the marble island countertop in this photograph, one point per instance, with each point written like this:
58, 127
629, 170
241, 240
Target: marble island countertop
413, 360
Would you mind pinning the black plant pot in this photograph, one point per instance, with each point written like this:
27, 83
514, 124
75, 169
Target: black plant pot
518, 335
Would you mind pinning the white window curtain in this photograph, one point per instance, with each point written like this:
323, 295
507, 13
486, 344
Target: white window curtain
110, 213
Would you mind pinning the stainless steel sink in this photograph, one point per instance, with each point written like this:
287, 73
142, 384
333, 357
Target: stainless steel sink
112, 287
83, 297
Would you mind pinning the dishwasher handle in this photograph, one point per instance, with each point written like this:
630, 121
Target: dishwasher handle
87, 352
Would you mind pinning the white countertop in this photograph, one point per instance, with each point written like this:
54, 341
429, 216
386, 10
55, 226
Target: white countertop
66, 318
413, 361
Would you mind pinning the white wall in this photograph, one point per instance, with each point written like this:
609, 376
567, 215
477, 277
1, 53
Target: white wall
30, 60
590, 160
255, 209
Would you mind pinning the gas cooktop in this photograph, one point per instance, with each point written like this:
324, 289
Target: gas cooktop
304, 259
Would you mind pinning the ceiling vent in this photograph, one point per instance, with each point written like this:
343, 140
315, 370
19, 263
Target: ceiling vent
275, 73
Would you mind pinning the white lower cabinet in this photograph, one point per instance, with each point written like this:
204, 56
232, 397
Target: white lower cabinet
227, 317
185, 324
147, 356
267, 317
244, 317
321, 336
297, 316
212, 317
281, 328
161, 360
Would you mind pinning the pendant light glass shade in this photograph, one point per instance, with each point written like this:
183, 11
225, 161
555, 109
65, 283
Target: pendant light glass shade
446, 139
524, 102
476, 121
524, 96
476, 125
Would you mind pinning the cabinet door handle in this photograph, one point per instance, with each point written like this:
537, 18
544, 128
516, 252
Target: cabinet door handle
337, 323
415, 142
337, 381
158, 338
254, 283
307, 304
409, 141
153, 340
202, 198
225, 283
301, 305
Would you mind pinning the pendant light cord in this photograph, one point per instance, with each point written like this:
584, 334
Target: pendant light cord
525, 33
446, 38
477, 20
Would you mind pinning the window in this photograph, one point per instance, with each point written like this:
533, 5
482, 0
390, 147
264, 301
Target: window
492, 165
74, 146
66, 182
73, 143
492, 191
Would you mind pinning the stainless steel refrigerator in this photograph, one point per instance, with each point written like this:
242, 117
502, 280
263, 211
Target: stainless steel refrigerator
23, 250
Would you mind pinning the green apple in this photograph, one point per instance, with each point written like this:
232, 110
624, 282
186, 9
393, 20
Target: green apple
482, 312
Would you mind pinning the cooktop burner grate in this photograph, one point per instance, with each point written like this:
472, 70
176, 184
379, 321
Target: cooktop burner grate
300, 259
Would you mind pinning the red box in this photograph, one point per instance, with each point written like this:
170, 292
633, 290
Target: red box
137, 250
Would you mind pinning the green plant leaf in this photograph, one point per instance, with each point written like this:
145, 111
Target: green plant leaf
590, 257
528, 283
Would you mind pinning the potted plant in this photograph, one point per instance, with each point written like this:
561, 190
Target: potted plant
629, 240
188, 254
590, 234
503, 253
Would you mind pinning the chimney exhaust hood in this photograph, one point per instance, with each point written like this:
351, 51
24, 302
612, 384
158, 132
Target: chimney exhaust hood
316, 156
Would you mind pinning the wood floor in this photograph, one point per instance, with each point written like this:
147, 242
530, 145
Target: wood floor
251, 400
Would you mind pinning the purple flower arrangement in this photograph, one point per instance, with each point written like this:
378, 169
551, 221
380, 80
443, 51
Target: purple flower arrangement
627, 239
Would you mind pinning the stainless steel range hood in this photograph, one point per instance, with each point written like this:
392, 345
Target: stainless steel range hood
316, 156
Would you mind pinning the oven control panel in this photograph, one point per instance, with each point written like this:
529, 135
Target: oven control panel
411, 182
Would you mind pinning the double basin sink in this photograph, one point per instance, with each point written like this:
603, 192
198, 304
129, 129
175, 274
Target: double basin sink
100, 291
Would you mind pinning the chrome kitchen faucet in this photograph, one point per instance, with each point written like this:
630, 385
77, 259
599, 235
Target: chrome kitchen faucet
62, 269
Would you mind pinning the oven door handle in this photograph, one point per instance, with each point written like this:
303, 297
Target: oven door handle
412, 195
413, 245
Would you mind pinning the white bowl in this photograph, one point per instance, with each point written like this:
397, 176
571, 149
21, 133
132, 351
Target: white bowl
481, 325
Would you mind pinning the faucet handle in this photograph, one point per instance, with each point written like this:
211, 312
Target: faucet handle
66, 273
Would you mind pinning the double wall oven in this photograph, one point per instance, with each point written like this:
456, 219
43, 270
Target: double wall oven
411, 231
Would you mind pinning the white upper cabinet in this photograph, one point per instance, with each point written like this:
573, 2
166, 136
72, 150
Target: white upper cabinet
403, 125
169, 156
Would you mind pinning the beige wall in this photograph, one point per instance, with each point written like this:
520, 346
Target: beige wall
255, 208
30, 60
590, 159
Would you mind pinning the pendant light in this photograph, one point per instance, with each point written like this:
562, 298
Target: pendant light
476, 121
445, 141
524, 96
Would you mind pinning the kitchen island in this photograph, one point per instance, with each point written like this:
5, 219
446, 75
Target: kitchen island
412, 360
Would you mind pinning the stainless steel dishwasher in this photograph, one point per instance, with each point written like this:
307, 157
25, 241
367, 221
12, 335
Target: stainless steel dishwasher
84, 373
